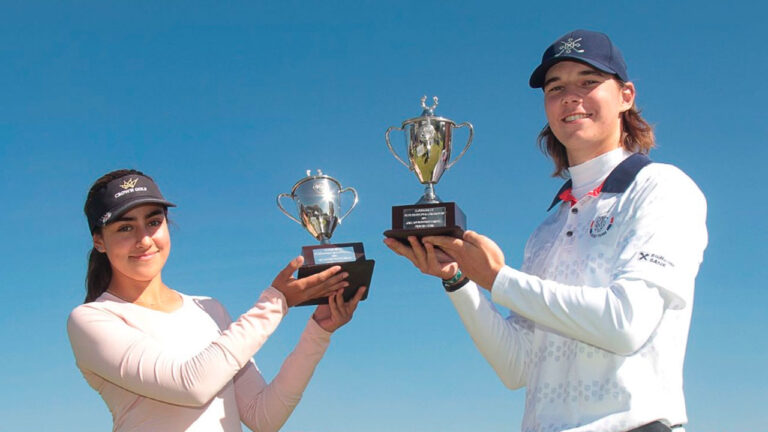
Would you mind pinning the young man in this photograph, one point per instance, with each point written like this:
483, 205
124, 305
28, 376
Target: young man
601, 307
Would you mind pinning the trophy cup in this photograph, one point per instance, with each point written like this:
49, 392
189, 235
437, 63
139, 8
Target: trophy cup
429, 143
318, 199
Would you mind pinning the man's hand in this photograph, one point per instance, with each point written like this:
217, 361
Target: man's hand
425, 257
478, 256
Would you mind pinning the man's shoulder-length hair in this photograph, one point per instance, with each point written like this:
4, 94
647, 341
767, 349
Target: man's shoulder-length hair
637, 137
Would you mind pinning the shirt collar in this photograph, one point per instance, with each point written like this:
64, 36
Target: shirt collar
618, 180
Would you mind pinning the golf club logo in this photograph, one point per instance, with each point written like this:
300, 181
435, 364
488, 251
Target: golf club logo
569, 46
130, 183
600, 226
129, 186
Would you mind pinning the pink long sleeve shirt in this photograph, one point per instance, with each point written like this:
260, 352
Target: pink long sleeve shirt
190, 369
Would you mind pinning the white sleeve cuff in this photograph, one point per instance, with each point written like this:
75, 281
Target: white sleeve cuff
506, 286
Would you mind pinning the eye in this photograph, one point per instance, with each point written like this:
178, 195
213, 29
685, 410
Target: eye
124, 228
554, 88
155, 222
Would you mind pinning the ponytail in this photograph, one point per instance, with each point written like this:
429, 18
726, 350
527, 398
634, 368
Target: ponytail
99, 275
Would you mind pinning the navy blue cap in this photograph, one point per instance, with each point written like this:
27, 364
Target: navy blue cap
121, 195
592, 48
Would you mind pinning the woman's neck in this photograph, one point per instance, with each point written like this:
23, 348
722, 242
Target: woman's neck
153, 294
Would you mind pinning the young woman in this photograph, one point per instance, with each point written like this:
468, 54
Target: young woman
166, 361
601, 308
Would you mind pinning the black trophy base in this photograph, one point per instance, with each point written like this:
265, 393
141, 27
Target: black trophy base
351, 258
421, 220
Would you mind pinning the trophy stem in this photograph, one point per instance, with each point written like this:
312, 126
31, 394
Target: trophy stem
429, 196
325, 241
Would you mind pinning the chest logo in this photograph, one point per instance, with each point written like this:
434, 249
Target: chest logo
600, 226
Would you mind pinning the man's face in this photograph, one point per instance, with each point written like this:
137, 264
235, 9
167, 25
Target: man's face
584, 107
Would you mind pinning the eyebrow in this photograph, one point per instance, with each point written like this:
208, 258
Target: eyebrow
147, 216
585, 72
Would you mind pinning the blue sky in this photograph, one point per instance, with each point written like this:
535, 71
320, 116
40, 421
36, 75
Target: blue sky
227, 104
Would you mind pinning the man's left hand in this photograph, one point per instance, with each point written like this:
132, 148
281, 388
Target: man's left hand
479, 258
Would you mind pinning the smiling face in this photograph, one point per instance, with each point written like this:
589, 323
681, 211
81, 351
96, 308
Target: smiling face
137, 245
584, 107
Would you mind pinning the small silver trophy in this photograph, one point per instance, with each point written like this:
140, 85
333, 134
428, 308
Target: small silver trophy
318, 201
429, 141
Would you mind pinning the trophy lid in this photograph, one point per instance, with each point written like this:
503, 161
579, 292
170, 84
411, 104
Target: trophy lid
428, 113
311, 177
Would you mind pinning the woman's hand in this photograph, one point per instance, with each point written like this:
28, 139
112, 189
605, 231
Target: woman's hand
298, 291
427, 258
336, 313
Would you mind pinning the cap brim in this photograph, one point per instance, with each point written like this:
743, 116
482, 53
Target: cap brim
538, 75
119, 211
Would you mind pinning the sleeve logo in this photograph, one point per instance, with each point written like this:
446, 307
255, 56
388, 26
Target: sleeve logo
655, 259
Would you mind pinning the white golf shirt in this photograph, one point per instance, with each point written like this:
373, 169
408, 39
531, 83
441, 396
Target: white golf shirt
601, 308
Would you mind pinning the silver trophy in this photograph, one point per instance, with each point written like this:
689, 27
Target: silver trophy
318, 201
429, 141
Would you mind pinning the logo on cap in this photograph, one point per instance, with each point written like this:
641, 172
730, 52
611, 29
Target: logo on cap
568, 46
127, 184
106, 217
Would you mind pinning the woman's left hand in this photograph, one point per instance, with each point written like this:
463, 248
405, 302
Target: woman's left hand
336, 313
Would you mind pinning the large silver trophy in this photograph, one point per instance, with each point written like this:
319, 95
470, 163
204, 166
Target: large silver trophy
318, 202
429, 141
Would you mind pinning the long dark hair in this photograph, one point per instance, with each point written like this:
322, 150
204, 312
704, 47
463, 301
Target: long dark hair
99, 269
637, 137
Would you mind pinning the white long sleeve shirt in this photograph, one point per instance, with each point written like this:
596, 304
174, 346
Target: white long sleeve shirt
190, 369
601, 308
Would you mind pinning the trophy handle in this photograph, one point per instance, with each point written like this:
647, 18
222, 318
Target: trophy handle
280, 206
469, 142
354, 192
392, 150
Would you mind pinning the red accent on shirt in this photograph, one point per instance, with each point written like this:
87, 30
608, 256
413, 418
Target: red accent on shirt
567, 195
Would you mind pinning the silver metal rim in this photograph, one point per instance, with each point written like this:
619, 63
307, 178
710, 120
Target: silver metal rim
314, 177
422, 118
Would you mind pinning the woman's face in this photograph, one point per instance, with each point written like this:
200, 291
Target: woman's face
137, 244
584, 107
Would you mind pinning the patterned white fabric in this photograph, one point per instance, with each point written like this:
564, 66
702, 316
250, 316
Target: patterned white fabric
601, 308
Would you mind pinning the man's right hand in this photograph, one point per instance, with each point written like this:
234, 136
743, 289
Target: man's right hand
427, 258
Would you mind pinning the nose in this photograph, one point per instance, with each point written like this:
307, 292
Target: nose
144, 239
571, 96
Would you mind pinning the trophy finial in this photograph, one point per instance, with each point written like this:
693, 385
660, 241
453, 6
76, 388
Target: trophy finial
431, 109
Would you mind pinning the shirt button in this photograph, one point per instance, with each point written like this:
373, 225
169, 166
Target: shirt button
569, 233
574, 210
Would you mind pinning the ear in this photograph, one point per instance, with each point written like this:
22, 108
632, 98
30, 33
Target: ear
627, 96
98, 243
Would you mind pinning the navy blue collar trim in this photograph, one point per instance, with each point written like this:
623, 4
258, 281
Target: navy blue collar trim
618, 180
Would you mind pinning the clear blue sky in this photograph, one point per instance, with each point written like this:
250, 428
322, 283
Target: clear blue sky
227, 104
